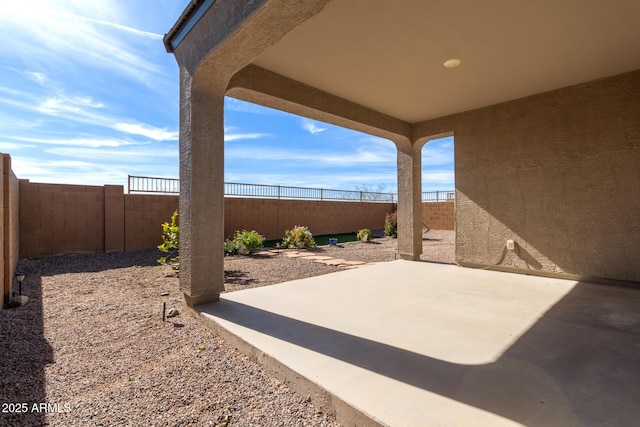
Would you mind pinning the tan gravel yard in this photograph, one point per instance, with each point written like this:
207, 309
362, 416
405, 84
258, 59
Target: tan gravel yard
91, 345
438, 246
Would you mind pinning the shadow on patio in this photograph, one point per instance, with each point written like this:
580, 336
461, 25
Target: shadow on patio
424, 344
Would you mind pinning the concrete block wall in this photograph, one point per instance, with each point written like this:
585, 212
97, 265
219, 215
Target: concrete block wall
60, 218
438, 215
271, 217
57, 219
143, 216
114, 218
9, 193
13, 221
6, 279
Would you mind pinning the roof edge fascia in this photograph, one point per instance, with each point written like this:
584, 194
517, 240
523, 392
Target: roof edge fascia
189, 18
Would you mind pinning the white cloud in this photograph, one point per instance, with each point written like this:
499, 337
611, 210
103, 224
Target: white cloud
67, 171
38, 77
124, 28
152, 132
438, 176
240, 136
347, 159
80, 108
438, 152
67, 104
49, 31
442, 180
74, 71
85, 109
54, 101
10, 91
121, 156
79, 142
312, 127
13, 123
230, 134
10, 146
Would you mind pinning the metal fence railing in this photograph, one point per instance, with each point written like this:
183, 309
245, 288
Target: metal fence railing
146, 184
438, 196
287, 192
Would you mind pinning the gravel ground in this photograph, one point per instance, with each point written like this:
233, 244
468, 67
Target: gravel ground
90, 347
437, 246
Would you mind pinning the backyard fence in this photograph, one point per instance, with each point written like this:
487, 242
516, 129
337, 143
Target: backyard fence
146, 184
438, 196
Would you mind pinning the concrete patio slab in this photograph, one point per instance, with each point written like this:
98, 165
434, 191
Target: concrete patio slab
417, 344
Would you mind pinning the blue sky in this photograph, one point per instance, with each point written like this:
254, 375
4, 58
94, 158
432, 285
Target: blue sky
88, 95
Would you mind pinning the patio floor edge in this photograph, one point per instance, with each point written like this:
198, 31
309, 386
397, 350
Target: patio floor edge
327, 402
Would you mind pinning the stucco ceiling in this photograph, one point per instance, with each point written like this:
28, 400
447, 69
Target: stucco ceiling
389, 55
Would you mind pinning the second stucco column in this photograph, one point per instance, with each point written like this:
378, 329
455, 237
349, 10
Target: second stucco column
201, 191
409, 202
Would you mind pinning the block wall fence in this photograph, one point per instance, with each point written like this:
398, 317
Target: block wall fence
58, 218
439, 215
9, 230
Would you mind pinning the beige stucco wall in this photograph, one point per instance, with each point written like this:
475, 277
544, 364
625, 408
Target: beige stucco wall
557, 172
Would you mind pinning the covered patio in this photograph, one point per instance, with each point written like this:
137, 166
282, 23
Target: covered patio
542, 99
421, 344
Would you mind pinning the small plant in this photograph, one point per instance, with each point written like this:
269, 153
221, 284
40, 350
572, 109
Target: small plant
298, 237
170, 242
364, 235
230, 247
243, 242
247, 241
391, 225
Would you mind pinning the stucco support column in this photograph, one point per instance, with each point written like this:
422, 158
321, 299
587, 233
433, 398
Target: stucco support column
201, 189
409, 201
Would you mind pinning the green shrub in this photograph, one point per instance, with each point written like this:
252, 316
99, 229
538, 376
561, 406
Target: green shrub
297, 237
170, 242
391, 225
230, 247
247, 241
364, 235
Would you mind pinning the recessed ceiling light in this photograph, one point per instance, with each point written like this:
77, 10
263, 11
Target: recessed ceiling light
452, 63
